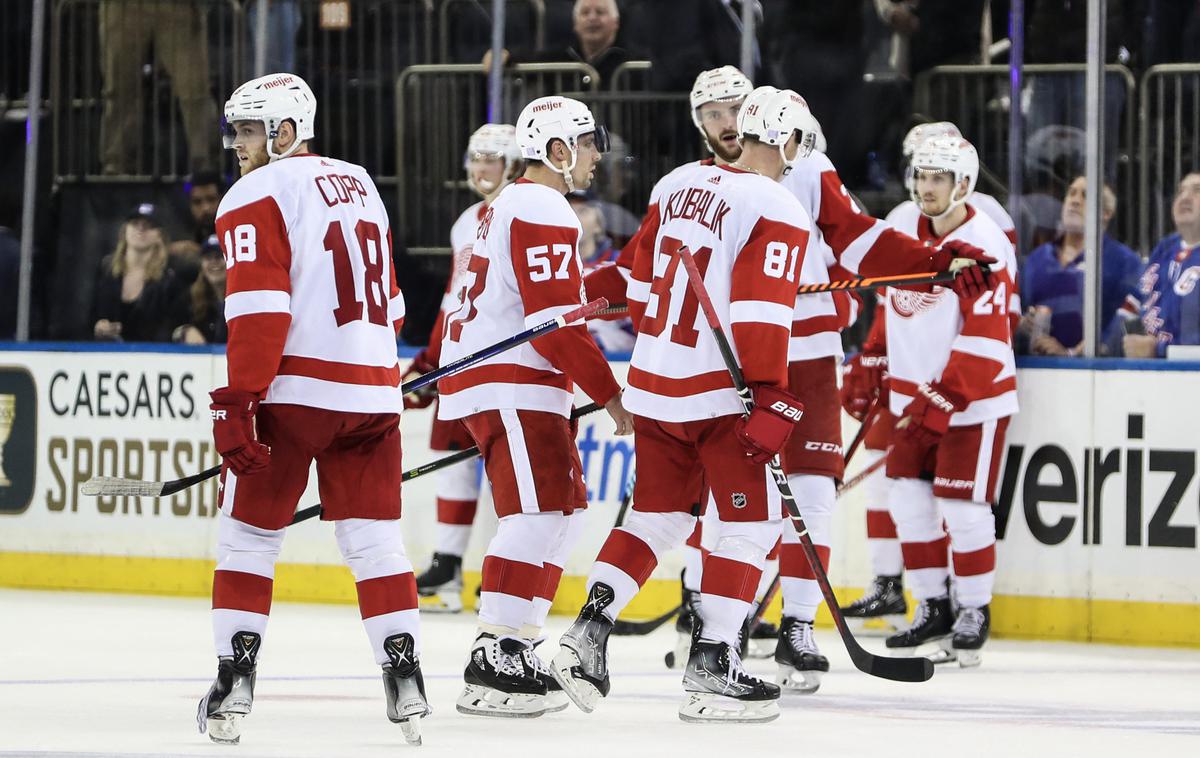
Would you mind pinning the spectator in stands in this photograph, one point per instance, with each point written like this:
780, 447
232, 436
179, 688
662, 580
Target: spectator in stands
598, 41
10, 274
176, 31
614, 334
136, 289
200, 309
1168, 301
204, 192
1052, 280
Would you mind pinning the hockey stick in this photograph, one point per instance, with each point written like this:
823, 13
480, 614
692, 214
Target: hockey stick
896, 669
112, 485
863, 428
858, 478
304, 514
638, 628
626, 499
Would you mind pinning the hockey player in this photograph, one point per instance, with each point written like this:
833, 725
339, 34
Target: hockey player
749, 237
864, 381
313, 312
493, 161
524, 269
952, 385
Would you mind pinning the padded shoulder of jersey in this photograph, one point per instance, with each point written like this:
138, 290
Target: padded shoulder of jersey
673, 177
981, 230
774, 201
535, 204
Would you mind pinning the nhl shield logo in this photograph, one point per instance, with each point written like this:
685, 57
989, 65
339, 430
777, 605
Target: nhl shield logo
739, 500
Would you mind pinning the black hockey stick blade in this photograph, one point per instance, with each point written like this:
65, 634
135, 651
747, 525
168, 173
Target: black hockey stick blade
623, 628
916, 669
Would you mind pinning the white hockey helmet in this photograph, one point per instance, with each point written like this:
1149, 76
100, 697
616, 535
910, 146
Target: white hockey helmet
771, 115
718, 85
950, 155
916, 136
272, 99
819, 143
494, 141
556, 117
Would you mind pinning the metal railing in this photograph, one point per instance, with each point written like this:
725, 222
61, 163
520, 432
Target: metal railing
976, 99
437, 108
464, 27
631, 76
1169, 142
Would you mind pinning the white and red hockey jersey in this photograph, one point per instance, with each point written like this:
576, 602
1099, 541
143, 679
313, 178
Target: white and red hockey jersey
524, 270
966, 345
749, 237
311, 296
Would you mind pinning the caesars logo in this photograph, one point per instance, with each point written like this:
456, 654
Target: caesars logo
18, 438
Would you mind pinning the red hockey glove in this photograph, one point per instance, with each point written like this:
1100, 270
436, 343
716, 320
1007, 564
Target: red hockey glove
766, 430
929, 413
971, 281
424, 397
233, 431
862, 381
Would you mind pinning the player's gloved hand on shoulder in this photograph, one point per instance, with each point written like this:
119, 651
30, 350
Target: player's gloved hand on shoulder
970, 265
233, 430
927, 417
862, 381
424, 397
766, 430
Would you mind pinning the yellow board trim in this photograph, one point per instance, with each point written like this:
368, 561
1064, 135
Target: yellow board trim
1016, 617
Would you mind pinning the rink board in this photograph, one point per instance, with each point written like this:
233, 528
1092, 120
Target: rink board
1098, 508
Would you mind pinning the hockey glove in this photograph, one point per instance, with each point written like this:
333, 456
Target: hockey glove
928, 415
863, 381
233, 431
766, 430
424, 397
971, 281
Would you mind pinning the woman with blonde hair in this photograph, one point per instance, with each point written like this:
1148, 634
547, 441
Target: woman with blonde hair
135, 288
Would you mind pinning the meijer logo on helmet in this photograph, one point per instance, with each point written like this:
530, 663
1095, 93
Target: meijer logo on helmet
547, 106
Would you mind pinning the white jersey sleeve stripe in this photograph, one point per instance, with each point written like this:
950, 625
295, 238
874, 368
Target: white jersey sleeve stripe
257, 301
396, 309
638, 290
760, 312
983, 347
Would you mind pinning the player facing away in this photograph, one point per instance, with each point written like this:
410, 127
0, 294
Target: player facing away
313, 312
524, 270
882, 607
492, 162
952, 386
748, 236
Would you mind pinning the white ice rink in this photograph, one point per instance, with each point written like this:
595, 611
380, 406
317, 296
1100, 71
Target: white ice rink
91, 675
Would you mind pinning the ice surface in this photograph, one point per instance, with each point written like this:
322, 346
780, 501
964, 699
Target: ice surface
92, 674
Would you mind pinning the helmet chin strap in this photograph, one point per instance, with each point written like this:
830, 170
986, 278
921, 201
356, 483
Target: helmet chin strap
565, 170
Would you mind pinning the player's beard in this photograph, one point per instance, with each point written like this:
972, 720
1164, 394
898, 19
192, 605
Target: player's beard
254, 160
722, 150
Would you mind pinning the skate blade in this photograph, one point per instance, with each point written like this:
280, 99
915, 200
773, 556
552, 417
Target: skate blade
477, 700
795, 680
942, 654
442, 602
876, 626
557, 702
969, 659
580, 692
709, 708
411, 729
225, 729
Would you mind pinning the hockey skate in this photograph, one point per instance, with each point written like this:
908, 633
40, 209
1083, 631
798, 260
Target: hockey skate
881, 611
404, 687
800, 661
500, 680
556, 699
971, 630
760, 642
581, 666
684, 623
717, 688
931, 623
440, 586
232, 695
